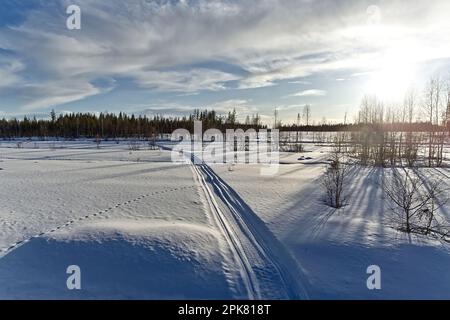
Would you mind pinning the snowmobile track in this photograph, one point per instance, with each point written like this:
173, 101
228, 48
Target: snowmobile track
256, 232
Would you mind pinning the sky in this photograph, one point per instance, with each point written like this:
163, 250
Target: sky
169, 57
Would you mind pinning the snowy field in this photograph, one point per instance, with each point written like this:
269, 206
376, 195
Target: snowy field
334, 247
142, 227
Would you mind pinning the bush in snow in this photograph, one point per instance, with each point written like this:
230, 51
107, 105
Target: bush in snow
98, 141
416, 204
335, 180
133, 146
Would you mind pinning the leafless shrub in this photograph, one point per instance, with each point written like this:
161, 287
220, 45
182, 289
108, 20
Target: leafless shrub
334, 181
290, 144
152, 143
98, 141
416, 204
134, 146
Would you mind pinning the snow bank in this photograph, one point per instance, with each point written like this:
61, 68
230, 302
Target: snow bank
119, 259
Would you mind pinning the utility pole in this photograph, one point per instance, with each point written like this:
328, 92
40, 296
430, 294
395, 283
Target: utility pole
276, 118
307, 113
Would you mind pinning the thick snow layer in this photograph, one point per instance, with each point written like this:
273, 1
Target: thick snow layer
39, 195
119, 259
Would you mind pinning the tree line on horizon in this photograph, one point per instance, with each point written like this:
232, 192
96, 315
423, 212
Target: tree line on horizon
122, 125
374, 119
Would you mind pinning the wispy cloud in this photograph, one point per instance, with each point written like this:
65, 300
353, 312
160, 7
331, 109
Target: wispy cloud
50, 94
9, 73
309, 93
190, 81
299, 82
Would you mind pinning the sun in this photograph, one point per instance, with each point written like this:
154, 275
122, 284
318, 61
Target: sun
391, 80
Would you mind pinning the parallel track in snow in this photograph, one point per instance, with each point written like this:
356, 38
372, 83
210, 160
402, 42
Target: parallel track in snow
288, 277
278, 274
248, 276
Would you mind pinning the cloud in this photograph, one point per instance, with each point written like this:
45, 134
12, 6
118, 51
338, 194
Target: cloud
309, 93
190, 81
49, 94
9, 73
160, 45
299, 82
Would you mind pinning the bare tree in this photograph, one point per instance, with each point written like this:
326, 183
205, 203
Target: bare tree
335, 181
133, 145
98, 141
277, 122
447, 111
370, 140
392, 147
416, 203
444, 124
297, 142
152, 143
433, 93
410, 146
307, 113
429, 112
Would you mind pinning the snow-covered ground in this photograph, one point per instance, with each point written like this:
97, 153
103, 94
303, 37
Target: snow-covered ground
334, 248
141, 226
136, 229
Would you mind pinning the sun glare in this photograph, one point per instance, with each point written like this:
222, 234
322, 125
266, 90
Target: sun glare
391, 80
